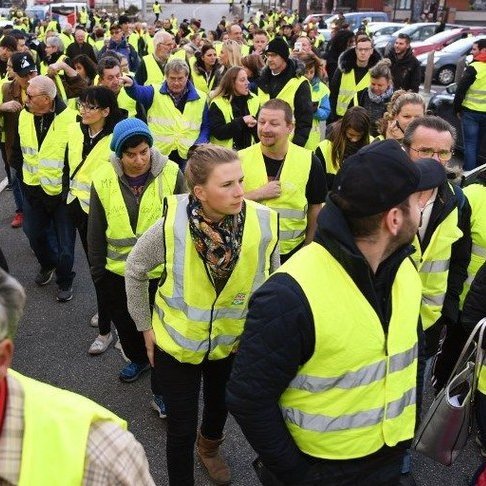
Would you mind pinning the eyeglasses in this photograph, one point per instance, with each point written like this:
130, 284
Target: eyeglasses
86, 107
29, 96
427, 153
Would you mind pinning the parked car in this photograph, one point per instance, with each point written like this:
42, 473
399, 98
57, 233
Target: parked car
417, 32
355, 19
378, 29
438, 41
445, 61
317, 17
442, 105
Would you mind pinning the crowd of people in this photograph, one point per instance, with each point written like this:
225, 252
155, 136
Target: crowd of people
194, 167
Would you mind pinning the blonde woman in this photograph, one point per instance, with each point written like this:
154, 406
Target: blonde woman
233, 110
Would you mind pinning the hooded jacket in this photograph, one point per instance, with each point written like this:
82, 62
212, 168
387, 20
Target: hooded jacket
406, 72
97, 223
303, 112
260, 377
346, 63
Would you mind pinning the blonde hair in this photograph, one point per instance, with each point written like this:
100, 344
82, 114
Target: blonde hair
234, 52
202, 162
399, 99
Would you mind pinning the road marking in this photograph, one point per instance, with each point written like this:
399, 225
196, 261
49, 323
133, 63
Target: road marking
3, 184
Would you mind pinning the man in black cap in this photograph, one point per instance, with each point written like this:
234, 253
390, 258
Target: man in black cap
282, 79
24, 69
336, 399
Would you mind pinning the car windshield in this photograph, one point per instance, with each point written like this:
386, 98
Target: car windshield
460, 45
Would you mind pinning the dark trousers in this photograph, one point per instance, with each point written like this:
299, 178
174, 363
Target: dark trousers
383, 468
41, 223
481, 415
113, 291
80, 221
180, 384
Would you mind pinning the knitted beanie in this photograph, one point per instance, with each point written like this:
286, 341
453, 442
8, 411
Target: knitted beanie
278, 46
127, 129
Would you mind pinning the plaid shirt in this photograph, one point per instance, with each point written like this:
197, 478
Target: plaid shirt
113, 455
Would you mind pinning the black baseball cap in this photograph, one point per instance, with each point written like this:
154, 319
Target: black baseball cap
23, 63
381, 175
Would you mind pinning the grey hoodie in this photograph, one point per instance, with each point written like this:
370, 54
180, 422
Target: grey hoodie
97, 223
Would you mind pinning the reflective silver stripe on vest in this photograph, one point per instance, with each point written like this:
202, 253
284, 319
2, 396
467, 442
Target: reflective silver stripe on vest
184, 342
51, 181
346, 92
473, 99
400, 361
192, 125
435, 266
223, 340
363, 376
122, 241
32, 169
114, 255
80, 185
290, 213
481, 92
166, 139
290, 235
51, 163
367, 418
29, 151
396, 407
433, 299
479, 251
176, 301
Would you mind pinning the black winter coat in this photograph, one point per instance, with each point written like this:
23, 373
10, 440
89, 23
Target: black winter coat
406, 72
279, 337
346, 63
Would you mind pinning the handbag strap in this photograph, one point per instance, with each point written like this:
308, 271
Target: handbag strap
465, 353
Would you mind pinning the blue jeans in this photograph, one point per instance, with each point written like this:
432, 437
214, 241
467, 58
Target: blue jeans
17, 191
473, 129
52, 237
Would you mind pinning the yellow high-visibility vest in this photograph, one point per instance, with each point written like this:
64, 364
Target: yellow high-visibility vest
476, 195
315, 133
155, 75
475, 98
120, 237
56, 429
127, 103
224, 105
348, 90
287, 93
291, 205
433, 267
171, 129
44, 166
190, 320
357, 392
80, 184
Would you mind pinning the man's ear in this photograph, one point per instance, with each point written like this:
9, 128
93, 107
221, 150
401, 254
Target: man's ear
393, 221
6, 355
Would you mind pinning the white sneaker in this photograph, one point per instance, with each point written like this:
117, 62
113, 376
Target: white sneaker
100, 344
94, 321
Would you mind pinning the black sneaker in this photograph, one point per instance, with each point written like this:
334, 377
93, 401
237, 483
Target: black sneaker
44, 276
65, 295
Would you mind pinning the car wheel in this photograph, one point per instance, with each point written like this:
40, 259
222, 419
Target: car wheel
446, 75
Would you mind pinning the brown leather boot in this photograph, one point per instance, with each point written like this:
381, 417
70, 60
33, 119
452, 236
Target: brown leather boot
208, 453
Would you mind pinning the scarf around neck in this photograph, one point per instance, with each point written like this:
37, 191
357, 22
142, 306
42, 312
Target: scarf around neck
218, 243
380, 98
